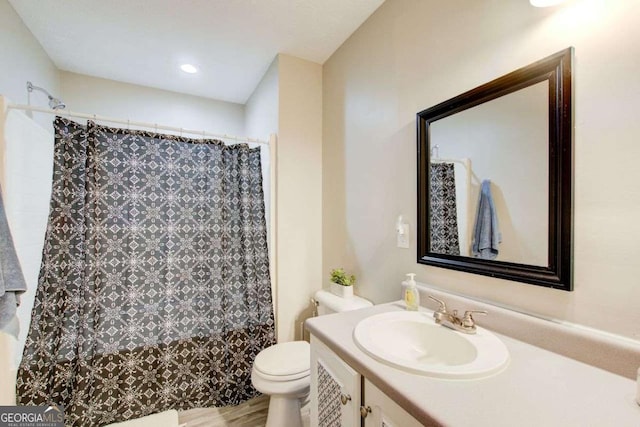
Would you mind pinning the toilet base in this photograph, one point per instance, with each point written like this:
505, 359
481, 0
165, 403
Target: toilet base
285, 398
284, 411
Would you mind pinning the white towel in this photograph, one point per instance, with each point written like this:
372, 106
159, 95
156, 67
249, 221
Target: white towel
26, 172
12, 282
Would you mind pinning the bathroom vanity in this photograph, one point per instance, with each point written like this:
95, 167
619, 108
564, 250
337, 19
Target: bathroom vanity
340, 395
537, 387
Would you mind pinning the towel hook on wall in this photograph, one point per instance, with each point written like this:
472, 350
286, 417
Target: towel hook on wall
435, 151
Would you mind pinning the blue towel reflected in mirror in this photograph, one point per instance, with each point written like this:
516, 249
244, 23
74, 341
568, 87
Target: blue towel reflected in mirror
486, 233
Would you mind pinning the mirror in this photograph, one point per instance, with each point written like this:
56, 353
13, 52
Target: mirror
495, 177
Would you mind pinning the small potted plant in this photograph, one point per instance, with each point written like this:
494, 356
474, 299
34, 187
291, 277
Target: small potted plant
341, 283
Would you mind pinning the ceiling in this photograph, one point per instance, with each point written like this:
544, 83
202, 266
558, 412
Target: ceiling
232, 42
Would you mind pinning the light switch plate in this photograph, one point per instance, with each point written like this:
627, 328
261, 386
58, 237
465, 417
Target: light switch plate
403, 238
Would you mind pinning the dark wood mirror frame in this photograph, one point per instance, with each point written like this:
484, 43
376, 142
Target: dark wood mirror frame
557, 70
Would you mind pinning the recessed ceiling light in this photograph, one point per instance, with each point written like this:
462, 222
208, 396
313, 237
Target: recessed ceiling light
188, 68
545, 3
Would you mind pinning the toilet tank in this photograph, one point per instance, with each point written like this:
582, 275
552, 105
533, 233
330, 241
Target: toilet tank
329, 303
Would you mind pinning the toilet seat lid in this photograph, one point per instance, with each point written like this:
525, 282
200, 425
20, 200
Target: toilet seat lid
284, 359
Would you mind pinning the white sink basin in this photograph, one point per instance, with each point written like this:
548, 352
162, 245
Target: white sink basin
413, 342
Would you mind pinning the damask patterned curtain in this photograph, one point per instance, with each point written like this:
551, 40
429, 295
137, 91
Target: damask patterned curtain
444, 218
154, 290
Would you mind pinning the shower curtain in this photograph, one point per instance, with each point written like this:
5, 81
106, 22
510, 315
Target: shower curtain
444, 218
154, 288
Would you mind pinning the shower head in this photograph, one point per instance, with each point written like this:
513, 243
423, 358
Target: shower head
54, 103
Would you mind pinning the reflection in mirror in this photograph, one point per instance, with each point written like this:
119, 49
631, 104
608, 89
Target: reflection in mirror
495, 172
504, 141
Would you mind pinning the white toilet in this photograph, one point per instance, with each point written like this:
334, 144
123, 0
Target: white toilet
282, 370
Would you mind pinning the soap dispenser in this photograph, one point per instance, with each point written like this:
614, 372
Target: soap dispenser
411, 295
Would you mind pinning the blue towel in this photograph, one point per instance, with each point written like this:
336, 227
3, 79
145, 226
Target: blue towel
486, 234
12, 282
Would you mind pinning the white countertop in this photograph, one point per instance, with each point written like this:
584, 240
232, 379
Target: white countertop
537, 388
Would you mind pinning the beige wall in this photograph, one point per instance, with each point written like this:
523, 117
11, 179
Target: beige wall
144, 104
288, 101
261, 109
412, 54
299, 252
23, 59
261, 121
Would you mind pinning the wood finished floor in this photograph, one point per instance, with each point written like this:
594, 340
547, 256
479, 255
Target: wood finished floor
252, 413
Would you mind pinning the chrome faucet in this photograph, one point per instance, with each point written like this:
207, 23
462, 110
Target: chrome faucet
465, 324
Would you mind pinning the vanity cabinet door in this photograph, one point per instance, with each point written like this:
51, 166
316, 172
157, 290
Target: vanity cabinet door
335, 389
384, 411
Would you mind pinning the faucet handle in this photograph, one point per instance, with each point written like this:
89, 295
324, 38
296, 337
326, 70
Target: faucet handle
467, 319
443, 306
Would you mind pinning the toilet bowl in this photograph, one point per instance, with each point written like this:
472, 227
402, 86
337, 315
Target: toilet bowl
282, 370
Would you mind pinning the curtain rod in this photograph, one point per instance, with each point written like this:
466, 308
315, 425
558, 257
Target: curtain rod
132, 123
464, 162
